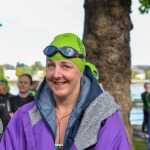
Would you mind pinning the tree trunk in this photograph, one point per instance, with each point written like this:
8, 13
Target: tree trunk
106, 37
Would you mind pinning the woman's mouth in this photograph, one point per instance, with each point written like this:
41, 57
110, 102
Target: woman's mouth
59, 83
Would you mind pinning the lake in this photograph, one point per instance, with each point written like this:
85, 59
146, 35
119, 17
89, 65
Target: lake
136, 90
136, 114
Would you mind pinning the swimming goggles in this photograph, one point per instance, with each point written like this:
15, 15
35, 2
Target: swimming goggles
66, 51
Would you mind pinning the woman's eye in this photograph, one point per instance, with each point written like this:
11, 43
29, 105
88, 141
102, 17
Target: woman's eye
66, 67
50, 66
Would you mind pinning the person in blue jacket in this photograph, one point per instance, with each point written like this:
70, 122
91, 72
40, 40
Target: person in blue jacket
70, 111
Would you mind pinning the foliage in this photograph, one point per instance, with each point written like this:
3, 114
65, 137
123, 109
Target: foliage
140, 144
19, 71
36, 66
1, 71
147, 72
23, 69
133, 75
139, 69
145, 6
20, 64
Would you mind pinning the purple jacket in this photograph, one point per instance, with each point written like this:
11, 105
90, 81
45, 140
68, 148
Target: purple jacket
94, 123
21, 135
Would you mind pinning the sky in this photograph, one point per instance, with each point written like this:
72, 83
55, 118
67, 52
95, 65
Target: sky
29, 26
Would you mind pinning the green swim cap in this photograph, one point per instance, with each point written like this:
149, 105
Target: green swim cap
71, 40
93, 70
3, 80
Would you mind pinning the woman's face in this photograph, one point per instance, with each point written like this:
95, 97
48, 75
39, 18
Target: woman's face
63, 78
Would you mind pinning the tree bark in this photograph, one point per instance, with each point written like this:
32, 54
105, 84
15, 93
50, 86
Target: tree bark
106, 37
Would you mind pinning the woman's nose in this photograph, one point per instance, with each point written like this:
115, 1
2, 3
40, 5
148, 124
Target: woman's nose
57, 72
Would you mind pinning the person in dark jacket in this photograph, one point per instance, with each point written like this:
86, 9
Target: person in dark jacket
4, 96
24, 84
70, 111
146, 108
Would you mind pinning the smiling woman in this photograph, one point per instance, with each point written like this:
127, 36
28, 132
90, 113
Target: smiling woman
70, 110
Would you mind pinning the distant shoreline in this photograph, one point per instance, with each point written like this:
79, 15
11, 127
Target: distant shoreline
133, 81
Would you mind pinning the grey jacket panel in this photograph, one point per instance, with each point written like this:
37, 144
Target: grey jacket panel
101, 108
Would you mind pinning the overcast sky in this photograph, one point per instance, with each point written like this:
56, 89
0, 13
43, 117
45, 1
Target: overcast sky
30, 25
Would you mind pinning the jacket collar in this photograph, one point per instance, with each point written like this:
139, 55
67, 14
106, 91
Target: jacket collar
87, 135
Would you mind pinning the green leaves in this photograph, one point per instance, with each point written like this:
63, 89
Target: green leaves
145, 6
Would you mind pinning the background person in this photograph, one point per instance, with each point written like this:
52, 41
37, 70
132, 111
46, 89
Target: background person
4, 96
34, 86
24, 84
146, 108
148, 126
70, 110
1, 129
94, 72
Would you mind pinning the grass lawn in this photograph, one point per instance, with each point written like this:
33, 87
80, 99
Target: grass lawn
140, 144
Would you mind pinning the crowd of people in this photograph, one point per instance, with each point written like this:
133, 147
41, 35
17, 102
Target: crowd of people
9, 103
70, 110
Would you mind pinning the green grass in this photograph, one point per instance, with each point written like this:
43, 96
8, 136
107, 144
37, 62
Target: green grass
140, 144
